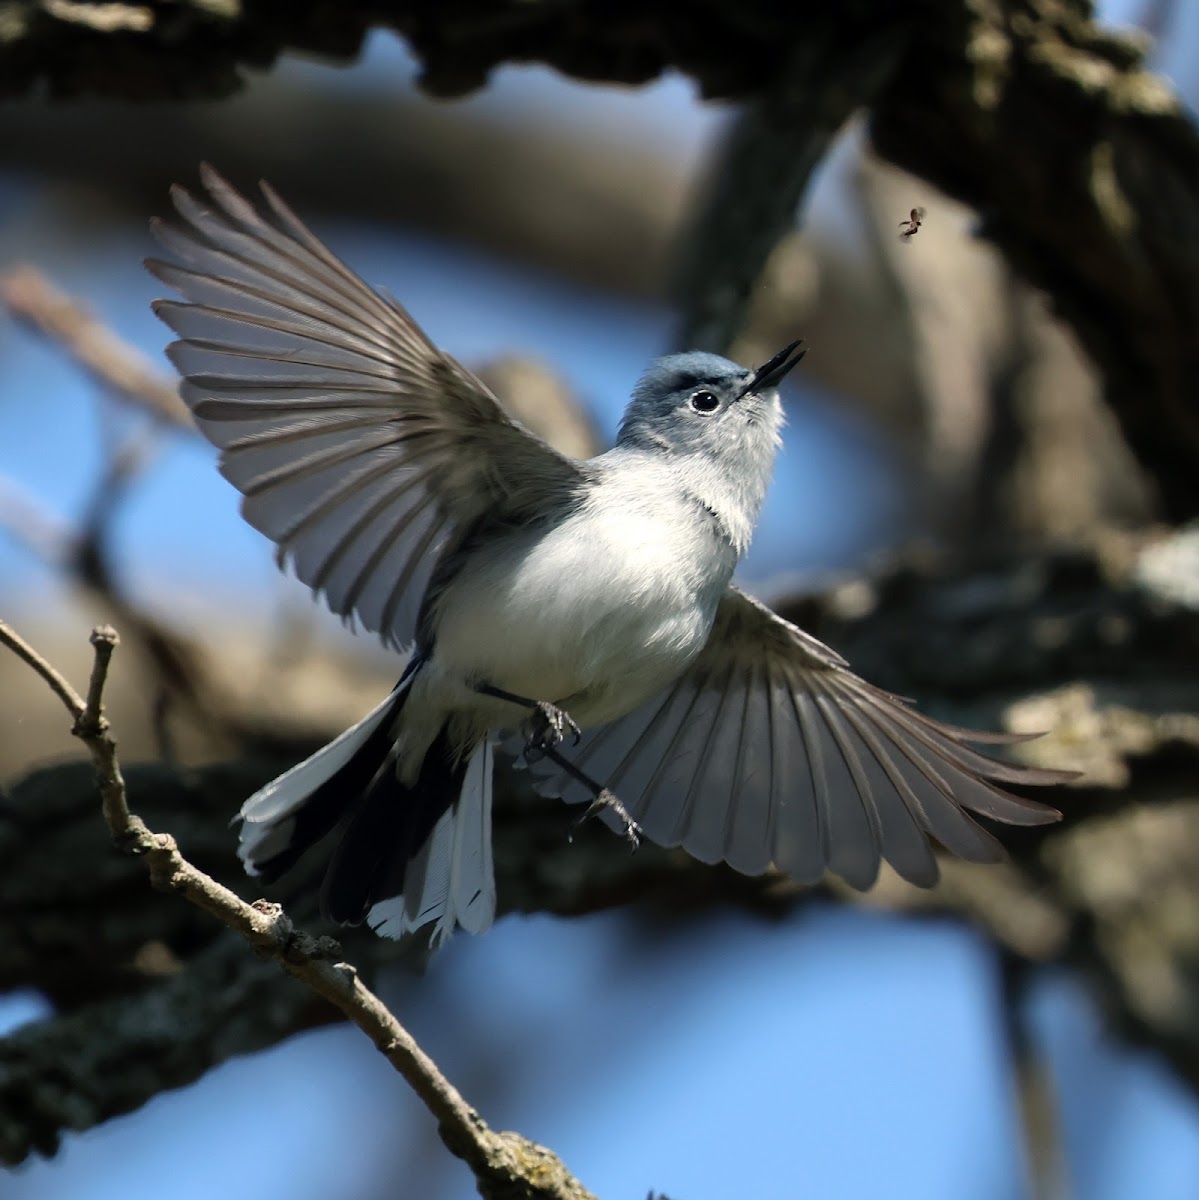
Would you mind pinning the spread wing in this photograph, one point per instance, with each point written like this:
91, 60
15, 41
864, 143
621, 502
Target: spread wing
360, 448
769, 750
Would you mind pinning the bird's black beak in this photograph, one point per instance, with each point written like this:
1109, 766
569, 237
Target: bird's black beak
770, 374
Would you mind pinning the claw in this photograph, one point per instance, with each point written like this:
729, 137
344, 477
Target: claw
548, 727
608, 800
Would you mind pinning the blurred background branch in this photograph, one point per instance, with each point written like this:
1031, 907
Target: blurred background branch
1104, 220
120, 369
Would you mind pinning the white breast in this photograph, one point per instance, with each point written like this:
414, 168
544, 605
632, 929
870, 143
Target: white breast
597, 613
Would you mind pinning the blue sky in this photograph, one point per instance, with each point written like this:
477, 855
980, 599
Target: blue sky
833, 1054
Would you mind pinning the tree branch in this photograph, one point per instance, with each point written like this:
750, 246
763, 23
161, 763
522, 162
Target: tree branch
1084, 166
110, 1056
31, 298
1085, 170
505, 1164
61, 688
1101, 647
757, 179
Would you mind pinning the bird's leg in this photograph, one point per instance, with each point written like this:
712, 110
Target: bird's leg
549, 727
603, 798
549, 724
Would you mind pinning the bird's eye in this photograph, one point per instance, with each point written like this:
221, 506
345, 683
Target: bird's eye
704, 402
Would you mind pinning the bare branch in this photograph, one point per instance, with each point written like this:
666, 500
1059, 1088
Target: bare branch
104, 640
31, 297
61, 688
500, 1161
91, 727
31, 523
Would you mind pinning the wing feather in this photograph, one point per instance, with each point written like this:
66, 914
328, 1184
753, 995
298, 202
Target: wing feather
667, 797
699, 827
770, 750
855, 837
263, 253
747, 818
361, 449
799, 840
900, 835
637, 750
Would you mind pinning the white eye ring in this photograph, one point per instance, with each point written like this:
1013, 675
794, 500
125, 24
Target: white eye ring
704, 402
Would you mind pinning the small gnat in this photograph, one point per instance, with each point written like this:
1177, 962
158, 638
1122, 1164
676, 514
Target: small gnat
910, 227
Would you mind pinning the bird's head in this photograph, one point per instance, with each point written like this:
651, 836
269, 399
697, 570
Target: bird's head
699, 404
717, 424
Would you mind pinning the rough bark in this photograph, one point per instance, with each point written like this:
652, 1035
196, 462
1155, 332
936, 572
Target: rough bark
1085, 169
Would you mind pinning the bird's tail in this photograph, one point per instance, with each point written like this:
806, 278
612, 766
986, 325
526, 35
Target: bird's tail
407, 857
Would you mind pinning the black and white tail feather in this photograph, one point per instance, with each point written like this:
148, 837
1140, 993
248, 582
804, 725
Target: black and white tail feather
408, 857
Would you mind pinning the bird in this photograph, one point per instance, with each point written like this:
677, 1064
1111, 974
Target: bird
584, 607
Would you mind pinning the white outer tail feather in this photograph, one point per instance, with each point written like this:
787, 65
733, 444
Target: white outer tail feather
267, 815
451, 881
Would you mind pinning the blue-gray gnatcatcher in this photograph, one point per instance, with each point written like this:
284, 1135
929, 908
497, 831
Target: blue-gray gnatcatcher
540, 594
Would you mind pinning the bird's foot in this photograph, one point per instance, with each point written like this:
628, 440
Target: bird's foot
547, 728
606, 800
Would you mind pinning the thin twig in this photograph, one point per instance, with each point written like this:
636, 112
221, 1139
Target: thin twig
104, 641
62, 689
91, 727
504, 1164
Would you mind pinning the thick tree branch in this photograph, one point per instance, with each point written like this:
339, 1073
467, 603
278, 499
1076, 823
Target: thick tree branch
1085, 170
200, 49
110, 1056
505, 1165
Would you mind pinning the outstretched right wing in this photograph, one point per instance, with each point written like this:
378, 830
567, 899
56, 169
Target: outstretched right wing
360, 448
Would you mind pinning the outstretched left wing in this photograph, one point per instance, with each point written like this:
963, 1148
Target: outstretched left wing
769, 750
